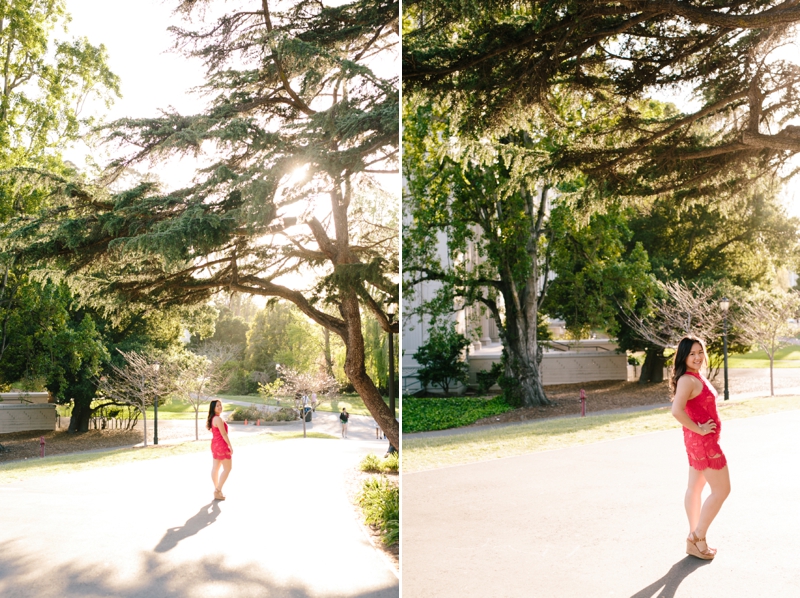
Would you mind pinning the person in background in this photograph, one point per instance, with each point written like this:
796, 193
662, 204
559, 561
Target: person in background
344, 417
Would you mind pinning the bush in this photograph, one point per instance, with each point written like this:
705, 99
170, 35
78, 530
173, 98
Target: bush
253, 413
440, 359
380, 502
488, 378
374, 464
426, 414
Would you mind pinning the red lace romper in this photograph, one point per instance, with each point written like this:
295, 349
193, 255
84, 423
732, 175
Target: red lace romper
703, 451
219, 448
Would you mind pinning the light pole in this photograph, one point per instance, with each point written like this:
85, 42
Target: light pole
391, 312
156, 367
724, 305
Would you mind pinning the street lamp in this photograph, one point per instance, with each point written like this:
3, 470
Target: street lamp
391, 313
725, 304
156, 367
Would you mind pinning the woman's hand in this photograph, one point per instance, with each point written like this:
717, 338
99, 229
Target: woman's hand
707, 428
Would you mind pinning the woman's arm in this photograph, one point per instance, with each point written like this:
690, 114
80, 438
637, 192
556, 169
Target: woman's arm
684, 392
220, 425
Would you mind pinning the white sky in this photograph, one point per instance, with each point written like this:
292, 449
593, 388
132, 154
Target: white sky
152, 78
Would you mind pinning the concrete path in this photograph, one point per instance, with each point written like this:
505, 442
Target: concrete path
150, 529
607, 519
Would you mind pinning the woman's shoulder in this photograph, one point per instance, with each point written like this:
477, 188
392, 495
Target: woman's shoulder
688, 380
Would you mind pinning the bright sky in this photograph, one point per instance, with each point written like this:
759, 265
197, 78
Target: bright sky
152, 78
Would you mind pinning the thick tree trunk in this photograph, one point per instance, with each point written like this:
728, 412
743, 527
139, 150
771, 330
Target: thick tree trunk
524, 374
653, 366
357, 373
328, 357
79, 420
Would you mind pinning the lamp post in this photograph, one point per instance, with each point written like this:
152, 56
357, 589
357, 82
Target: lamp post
156, 367
725, 305
391, 312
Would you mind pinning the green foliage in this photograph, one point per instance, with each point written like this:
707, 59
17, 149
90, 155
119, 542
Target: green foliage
494, 67
270, 390
439, 358
426, 414
253, 413
44, 83
374, 464
282, 335
228, 330
51, 340
595, 271
380, 502
488, 378
240, 380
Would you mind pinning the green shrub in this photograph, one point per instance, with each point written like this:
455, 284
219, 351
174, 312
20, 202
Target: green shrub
425, 414
488, 378
380, 502
439, 359
253, 413
374, 464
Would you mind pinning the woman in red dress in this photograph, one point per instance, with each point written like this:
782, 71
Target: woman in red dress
694, 406
221, 448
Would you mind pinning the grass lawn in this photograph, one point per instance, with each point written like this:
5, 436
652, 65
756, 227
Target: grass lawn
421, 454
19, 470
352, 402
787, 357
175, 410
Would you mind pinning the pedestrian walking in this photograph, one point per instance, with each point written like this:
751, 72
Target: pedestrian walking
221, 448
694, 406
378, 431
343, 417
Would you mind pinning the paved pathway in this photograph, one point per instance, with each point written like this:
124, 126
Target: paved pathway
607, 519
150, 529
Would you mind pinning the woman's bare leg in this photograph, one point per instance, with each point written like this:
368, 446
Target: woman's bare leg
215, 473
226, 469
694, 492
720, 483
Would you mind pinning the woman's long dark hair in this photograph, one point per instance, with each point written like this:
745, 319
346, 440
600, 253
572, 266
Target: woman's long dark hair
211, 413
679, 360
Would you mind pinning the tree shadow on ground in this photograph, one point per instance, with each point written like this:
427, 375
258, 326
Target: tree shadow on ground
205, 516
24, 575
668, 585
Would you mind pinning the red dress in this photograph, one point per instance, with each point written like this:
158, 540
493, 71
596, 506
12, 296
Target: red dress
703, 451
219, 448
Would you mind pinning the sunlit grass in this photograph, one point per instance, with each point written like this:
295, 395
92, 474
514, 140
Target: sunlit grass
786, 357
421, 454
19, 470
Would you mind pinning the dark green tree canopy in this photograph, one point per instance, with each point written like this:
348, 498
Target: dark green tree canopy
491, 65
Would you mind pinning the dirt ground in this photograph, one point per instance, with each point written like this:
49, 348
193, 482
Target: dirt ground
611, 394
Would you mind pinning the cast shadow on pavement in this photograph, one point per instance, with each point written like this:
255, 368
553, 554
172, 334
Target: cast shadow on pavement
668, 585
205, 516
26, 575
